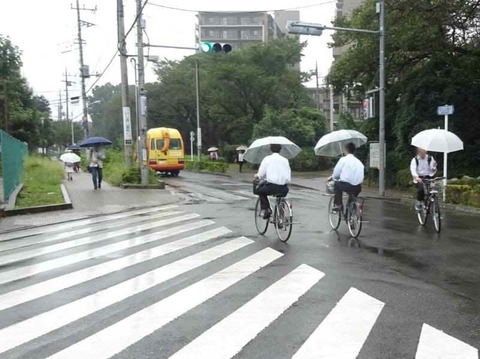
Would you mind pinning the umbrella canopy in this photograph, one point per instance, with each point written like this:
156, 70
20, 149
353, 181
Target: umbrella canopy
70, 158
212, 149
74, 148
331, 145
437, 140
95, 141
242, 148
260, 148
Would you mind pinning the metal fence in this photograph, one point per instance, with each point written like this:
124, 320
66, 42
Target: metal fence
13, 153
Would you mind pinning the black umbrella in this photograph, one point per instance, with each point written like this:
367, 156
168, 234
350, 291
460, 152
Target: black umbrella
95, 141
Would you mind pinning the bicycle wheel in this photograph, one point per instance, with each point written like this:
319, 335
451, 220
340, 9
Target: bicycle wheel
283, 220
437, 221
333, 217
260, 222
422, 215
354, 220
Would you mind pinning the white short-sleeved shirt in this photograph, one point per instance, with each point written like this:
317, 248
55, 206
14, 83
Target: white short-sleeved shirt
423, 168
275, 169
349, 169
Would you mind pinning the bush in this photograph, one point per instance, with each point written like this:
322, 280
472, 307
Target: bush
308, 161
403, 179
208, 166
464, 194
134, 176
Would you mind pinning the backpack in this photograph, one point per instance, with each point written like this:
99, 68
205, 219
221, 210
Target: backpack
429, 160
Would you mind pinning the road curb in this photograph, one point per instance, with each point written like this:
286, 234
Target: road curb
11, 211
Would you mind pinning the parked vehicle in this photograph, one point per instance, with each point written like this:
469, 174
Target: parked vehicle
165, 150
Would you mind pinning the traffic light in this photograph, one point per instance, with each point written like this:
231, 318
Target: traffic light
215, 47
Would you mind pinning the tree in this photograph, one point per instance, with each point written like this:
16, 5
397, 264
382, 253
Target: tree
303, 126
234, 90
432, 58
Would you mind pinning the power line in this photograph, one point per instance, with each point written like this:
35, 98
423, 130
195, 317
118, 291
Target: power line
271, 10
116, 52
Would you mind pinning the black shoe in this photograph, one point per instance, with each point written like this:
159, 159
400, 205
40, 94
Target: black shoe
99, 186
336, 209
267, 213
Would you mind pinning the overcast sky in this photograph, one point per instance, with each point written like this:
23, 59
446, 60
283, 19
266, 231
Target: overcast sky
45, 32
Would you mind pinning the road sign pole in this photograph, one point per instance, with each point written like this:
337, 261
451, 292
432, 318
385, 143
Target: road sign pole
445, 160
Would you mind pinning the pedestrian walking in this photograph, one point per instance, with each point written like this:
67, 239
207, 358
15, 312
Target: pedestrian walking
96, 166
241, 160
69, 168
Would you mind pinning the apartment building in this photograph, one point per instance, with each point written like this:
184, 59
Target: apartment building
242, 29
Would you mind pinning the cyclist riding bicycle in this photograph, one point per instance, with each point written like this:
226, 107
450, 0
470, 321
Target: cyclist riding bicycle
274, 174
348, 175
423, 166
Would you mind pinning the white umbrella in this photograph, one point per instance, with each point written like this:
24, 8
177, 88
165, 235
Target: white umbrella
70, 158
331, 145
212, 149
242, 148
437, 140
260, 148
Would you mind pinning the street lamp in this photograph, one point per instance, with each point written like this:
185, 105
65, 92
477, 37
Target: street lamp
301, 28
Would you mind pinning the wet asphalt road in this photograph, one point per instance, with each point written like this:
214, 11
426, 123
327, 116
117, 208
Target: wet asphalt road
421, 276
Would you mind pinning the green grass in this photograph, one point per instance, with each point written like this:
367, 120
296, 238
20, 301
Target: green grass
41, 183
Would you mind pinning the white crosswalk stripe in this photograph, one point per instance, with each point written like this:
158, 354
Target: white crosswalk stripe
239, 328
344, 330
435, 344
123, 245
80, 223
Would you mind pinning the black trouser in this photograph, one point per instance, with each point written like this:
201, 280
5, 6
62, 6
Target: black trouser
97, 176
240, 164
421, 188
341, 187
267, 189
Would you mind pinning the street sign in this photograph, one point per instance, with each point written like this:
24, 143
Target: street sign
375, 155
445, 110
192, 136
302, 30
127, 126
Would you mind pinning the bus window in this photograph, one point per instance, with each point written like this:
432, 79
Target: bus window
152, 144
175, 144
159, 144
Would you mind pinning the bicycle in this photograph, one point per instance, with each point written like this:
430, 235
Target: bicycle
352, 215
430, 204
281, 218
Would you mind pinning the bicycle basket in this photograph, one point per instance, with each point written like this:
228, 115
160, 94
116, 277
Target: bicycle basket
330, 187
256, 184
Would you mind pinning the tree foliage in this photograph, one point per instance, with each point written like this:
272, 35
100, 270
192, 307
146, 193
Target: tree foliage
235, 88
432, 58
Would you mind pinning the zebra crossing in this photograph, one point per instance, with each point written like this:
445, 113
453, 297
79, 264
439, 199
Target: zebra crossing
198, 193
59, 278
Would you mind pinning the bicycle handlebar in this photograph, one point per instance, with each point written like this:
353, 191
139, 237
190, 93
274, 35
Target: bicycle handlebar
433, 179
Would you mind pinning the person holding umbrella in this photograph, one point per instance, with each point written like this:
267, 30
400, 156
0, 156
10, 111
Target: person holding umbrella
96, 158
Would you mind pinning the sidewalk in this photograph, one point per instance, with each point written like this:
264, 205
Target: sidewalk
87, 202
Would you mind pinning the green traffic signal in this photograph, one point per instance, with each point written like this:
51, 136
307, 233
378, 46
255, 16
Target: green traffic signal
215, 47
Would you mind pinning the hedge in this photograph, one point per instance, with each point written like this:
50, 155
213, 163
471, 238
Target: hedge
207, 166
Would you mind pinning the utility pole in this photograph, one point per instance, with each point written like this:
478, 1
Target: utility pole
60, 107
84, 72
332, 108
381, 136
199, 129
127, 123
67, 83
142, 103
317, 92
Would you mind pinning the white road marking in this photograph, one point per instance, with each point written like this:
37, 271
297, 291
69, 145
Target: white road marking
26, 271
243, 325
246, 194
42, 238
56, 284
345, 329
128, 331
152, 222
78, 223
435, 344
223, 195
44, 323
